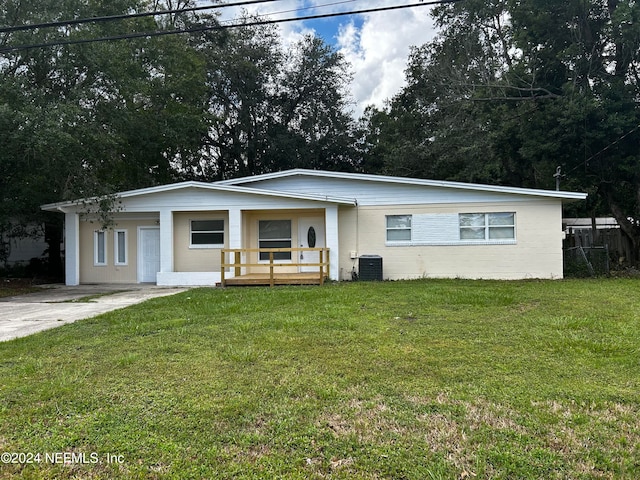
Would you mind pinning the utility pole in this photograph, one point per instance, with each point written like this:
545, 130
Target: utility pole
557, 176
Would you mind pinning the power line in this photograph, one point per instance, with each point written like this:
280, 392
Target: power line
110, 18
615, 142
299, 9
201, 29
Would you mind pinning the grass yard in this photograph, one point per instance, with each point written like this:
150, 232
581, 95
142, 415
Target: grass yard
445, 379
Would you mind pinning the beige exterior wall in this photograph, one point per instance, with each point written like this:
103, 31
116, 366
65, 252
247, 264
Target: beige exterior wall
196, 259
537, 252
110, 273
250, 233
348, 229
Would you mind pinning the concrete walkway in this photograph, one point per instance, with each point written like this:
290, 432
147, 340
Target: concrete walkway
56, 305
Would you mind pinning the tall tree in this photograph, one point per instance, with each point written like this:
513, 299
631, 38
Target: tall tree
242, 79
313, 107
511, 89
93, 119
83, 120
274, 107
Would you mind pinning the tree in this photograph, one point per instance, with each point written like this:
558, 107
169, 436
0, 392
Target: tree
94, 119
84, 120
273, 108
242, 75
313, 108
511, 89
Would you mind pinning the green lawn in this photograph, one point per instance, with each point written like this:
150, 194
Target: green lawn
425, 379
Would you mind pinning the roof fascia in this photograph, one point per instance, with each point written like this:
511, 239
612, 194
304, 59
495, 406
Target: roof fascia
65, 206
409, 181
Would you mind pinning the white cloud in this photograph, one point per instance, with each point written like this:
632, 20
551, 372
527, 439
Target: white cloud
281, 9
378, 52
376, 45
290, 31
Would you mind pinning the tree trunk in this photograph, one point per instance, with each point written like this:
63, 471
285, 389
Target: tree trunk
628, 228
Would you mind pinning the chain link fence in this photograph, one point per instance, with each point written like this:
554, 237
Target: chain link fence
586, 262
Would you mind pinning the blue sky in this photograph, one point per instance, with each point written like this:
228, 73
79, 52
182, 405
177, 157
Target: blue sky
376, 45
328, 28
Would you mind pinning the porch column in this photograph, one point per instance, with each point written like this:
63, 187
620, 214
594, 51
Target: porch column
72, 248
235, 228
333, 241
235, 234
166, 240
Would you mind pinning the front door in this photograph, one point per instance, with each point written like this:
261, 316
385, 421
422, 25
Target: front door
310, 235
148, 254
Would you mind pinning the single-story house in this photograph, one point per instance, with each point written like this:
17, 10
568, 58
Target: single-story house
174, 234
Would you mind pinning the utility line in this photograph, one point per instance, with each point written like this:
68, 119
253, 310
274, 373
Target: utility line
299, 9
125, 16
615, 142
219, 27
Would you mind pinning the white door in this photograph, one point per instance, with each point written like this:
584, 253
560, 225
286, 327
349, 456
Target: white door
310, 235
148, 254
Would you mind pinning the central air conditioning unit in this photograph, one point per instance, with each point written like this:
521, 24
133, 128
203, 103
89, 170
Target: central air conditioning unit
370, 267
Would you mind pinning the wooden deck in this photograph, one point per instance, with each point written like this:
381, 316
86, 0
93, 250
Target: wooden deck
237, 260
256, 279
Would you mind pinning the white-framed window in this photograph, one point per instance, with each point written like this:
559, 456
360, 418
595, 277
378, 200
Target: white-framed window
274, 234
498, 226
206, 233
120, 251
99, 248
399, 228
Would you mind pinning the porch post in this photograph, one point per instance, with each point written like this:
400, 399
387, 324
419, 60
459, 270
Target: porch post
235, 228
235, 235
72, 248
333, 241
166, 240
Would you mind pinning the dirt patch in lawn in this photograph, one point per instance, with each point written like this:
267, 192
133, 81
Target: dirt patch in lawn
10, 287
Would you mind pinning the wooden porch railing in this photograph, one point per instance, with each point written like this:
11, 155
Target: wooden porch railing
236, 256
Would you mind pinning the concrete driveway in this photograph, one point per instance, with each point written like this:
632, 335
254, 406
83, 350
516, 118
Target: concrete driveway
56, 305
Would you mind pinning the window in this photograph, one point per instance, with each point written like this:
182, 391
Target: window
274, 234
99, 248
398, 228
120, 247
487, 226
207, 233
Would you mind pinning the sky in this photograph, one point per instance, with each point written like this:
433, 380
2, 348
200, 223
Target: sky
376, 45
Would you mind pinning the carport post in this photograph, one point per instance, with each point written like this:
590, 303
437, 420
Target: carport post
72, 248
